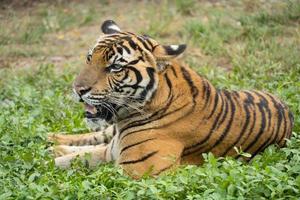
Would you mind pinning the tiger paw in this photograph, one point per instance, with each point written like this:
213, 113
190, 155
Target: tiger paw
57, 151
57, 138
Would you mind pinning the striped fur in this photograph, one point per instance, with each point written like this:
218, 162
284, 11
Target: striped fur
162, 113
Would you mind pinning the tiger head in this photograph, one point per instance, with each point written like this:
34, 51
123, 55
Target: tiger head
121, 74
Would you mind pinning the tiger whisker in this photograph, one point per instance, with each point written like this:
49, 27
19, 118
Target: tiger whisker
127, 103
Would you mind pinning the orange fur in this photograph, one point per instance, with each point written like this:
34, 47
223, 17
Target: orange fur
184, 117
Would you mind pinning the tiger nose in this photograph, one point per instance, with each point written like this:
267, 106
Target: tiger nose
80, 90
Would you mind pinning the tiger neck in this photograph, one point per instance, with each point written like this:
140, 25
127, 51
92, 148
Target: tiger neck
181, 86
180, 89
171, 93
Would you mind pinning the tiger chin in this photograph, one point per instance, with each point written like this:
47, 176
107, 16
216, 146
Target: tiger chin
150, 113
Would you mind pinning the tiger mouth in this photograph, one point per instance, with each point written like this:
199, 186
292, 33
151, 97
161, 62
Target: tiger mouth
90, 111
98, 112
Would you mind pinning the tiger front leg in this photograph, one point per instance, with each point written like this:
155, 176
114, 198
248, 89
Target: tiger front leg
94, 138
91, 156
61, 150
151, 158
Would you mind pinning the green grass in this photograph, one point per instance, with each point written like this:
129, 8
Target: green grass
46, 18
261, 45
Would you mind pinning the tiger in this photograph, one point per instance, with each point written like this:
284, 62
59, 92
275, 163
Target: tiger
149, 113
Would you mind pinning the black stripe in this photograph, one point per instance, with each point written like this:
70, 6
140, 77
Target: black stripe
249, 102
264, 145
236, 94
139, 160
114, 130
134, 87
137, 46
243, 130
154, 116
116, 57
106, 52
271, 139
201, 142
132, 44
169, 83
110, 54
251, 128
279, 121
193, 88
144, 44
135, 144
141, 58
125, 77
138, 75
206, 92
266, 106
225, 112
262, 126
291, 117
125, 48
215, 104
116, 82
228, 126
173, 70
284, 123
237, 99
133, 62
150, 72
250, 98
120, 50
163, 169
149, 43
149, 121
281, 113
122, 60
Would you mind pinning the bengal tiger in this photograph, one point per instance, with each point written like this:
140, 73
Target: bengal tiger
150, 113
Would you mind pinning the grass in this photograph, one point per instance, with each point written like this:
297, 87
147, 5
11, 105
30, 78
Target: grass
235, 44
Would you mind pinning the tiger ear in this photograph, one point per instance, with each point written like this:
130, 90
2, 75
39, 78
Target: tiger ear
110, 27
164, 53
167, 52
